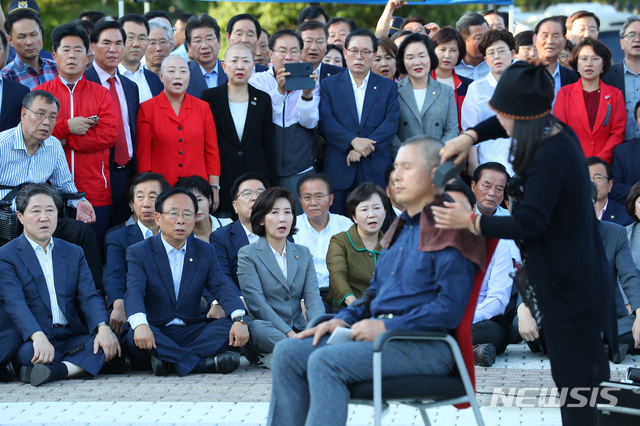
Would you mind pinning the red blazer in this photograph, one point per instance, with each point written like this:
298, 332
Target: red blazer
611, 121
177, 146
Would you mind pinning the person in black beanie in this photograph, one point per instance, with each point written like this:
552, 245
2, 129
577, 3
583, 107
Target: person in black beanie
568, 288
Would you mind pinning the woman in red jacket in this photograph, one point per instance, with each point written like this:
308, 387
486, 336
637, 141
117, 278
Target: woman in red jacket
176, 135
594, 110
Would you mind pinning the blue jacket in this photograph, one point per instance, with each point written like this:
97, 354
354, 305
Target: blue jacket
227, 241
340, 125
23, 289
626, 172
12, 95
150, 284
115, 271
616, 213
197, 83
154, 82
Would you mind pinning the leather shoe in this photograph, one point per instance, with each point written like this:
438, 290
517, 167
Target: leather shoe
118, 365
484, 354
224, 363
40, 374
7, 373
618, 357
159, 368
25, 374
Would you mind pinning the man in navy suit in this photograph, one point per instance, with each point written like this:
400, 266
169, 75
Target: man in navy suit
626, 172
245, 29
229, 239
107, 45
607, 208
166, 276
50, 298
136, 28
203, 42
359, 114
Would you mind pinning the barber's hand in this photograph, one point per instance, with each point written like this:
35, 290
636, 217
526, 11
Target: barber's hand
453, 215
353, 157
238, 335
118, 316
216, 312
281, 75
143, 337
318, 331
80, 125
458, 147
43, 351
108, 341
635, 330
309, 92
364, 146
527, 326
367, 330
85, 212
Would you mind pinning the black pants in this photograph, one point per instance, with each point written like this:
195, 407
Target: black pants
490, 331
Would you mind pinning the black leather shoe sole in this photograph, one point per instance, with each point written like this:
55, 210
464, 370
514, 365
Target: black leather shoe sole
618, 357
40, 374
224, 363
25, 374
159, 367
484, 355
118, 365
7, 373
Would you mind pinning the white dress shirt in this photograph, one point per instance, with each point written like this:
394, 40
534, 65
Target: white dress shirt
46, 263
138, 77
474, 73
250, 235
475, 109
318, 242
281, 259
176, 263
359, 92
124, 109
146, 232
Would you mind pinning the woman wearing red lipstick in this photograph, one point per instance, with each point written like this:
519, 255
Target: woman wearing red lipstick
384, 63
594, 110
353, 254
427, 107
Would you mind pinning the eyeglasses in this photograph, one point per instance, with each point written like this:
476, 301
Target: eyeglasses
318, 42
591, 32
599, 178
563, 56
282, 52
318, 197
162, 43
247, 193
497, 52
174, 215
631, 36
140, 39
41, 116
354, 53
208, 40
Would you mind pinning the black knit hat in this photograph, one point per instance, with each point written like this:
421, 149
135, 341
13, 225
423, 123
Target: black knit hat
525, 91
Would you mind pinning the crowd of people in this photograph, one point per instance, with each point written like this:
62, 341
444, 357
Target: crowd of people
219, 210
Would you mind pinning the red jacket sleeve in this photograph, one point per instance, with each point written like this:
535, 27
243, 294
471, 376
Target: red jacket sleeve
144, 135
618, 123
211, 155
104, 134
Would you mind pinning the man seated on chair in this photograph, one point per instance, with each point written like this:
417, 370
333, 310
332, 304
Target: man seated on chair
411, 289
50, 298
166, 276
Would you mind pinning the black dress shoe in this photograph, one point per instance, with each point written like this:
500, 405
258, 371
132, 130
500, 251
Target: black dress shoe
159, 367
7, 373
224, 363
484, 354
40, 374
618, 357
25, 374
118, 365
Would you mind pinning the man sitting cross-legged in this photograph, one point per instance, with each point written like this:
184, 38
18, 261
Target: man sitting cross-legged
165, 279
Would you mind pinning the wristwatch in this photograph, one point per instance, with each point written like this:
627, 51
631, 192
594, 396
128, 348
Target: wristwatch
100, 324
216, 187
241, 318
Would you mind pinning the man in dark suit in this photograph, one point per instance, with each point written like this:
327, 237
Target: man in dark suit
166, 276
10, 342
136, 28
628, 71
549, 40
12, 95
607, 208
203, 42
626, 157
231, 238
359, 114
50, 298
107, 45
245, 29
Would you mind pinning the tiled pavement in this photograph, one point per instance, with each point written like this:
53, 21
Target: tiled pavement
242, 398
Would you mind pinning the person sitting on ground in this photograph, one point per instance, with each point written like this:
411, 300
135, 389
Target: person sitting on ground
166, 277
353, 254
276, 276
488, 184
607, 209
49, 296
10, 342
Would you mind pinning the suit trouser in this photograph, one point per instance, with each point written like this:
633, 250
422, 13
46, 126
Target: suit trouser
625, 324
309, 383
183, 345
264, 335
101, 226
63, 341
339, 205
10, 341
490, 331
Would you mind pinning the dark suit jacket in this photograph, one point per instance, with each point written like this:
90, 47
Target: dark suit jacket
615, 77
340, 125
23, 289
616, 213
567, 76
255, 152
150, 284
154, 82
626, 172
616, 247
260, 68
327, 70
197, 84
131, 95
12, 95
227, 241
115, 271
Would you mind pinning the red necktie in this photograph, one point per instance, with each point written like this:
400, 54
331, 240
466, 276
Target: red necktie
121, 156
